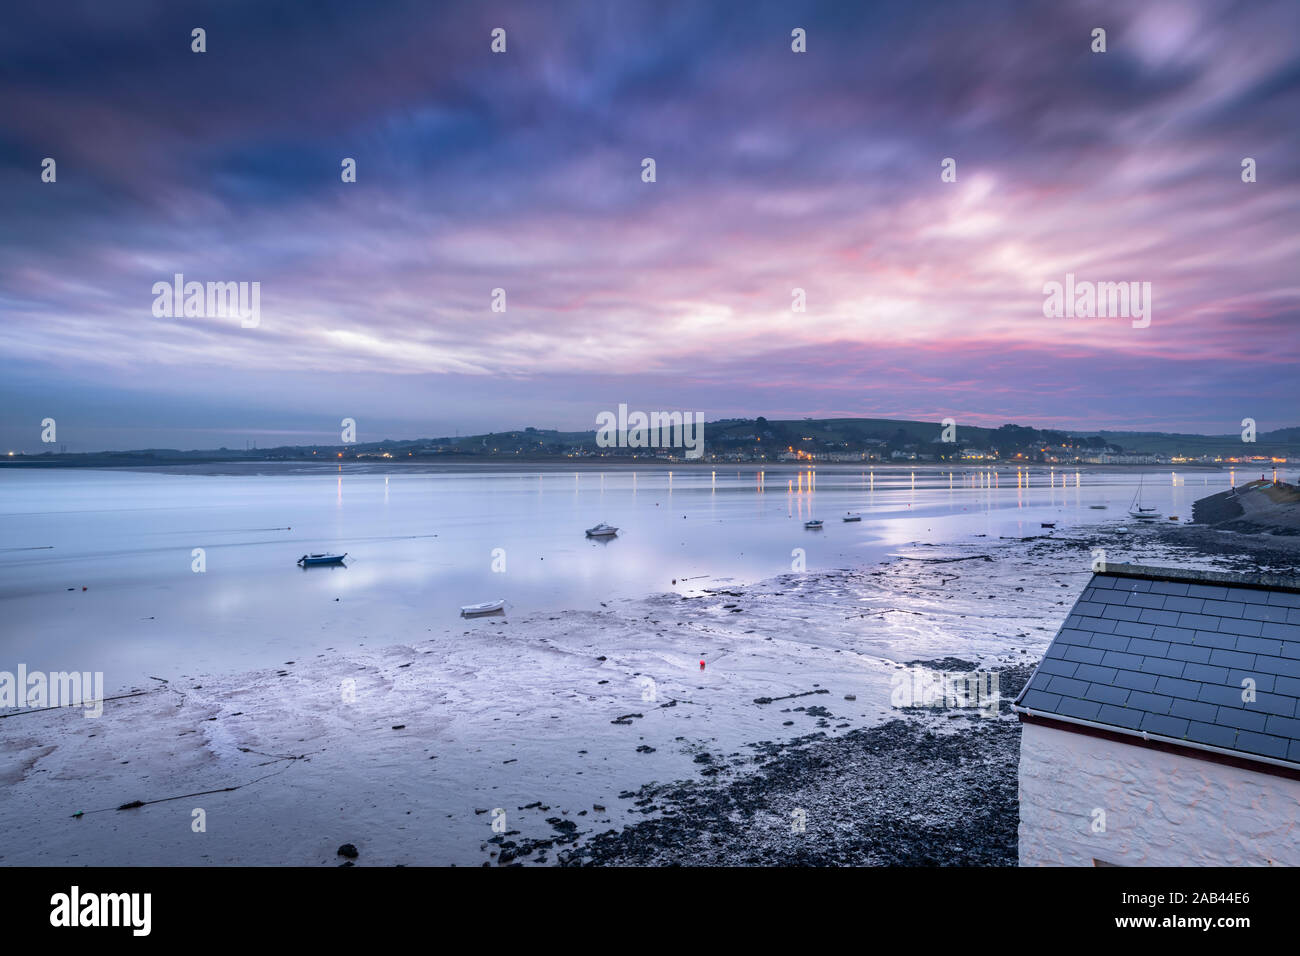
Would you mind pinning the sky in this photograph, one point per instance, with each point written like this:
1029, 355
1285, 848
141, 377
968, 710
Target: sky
774, 170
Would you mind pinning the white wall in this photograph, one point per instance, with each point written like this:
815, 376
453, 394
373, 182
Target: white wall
1161, 809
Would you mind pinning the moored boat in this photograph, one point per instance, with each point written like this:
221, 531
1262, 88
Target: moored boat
814, 525
311, 560
851, 516
487, 607
1136, 510
602, 530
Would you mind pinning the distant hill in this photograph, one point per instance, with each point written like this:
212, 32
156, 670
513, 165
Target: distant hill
1279, 442
743, 438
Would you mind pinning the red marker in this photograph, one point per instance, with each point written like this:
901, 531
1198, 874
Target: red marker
701, 665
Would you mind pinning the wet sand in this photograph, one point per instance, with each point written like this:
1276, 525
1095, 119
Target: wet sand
551, 719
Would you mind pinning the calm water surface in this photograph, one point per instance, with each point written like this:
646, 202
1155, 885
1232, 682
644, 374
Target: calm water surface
422, 544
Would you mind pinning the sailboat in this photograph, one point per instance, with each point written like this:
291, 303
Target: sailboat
1136, 509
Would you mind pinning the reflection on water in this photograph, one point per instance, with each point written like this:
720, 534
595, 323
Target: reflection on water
422, 545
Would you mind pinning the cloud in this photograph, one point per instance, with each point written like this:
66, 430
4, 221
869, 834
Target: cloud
775, 171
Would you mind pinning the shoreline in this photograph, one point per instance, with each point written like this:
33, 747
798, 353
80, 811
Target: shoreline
547, 718
470, 464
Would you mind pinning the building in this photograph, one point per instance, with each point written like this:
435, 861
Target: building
1109, 459
1162, 726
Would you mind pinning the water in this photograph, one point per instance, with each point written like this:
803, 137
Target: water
422, 544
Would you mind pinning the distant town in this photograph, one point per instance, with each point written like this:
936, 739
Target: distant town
758, 440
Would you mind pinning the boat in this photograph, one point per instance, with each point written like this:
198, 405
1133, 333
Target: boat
311, 560
815, 525
852, 517
1048, 524
1097, 507
602, 530
487, 607
1136, 510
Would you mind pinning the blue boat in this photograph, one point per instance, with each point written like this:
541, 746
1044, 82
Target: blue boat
311, 560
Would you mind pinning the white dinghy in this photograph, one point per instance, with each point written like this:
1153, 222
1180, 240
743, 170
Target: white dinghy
487, 607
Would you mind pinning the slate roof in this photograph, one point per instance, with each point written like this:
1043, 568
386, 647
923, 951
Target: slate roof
1163, 652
